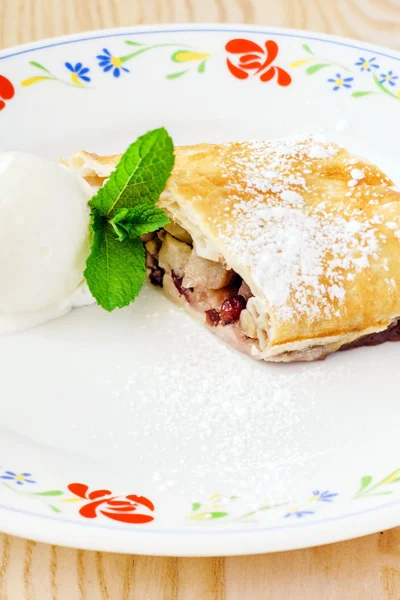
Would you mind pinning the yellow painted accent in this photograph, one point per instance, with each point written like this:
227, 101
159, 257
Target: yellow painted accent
339, 81
313, 498
75, 80
32, 80
71, 499
365, 65
200, 517
215, 497
116, 61
20, 478
298, 63
186, 56
396, 474
398, 93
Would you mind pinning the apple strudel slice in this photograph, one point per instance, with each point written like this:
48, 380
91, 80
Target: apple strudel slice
289, 249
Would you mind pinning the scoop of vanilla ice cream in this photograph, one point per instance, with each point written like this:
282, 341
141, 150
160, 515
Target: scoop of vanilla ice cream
44, 237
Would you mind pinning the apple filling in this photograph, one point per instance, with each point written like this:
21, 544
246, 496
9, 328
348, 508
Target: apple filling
213, 290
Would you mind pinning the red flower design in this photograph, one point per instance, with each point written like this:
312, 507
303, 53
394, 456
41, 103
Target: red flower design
118, 508
254, 59
7, 91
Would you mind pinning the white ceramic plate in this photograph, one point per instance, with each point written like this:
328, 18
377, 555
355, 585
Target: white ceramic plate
139, 431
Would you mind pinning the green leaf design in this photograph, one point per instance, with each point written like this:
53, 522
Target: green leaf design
202, 66
54, 508
365, 481
375, 490
368, 493
361, 94
315, 68
49, 493
142, 49
39, 66
265, 507
115, 271
195, 506
176, 75
132, 222
307, 49
131, 43
141, 174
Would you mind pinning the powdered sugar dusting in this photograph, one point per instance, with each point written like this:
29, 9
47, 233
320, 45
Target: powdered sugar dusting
357, 174
246, 432
298, 253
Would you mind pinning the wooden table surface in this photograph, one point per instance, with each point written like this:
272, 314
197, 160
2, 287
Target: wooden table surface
363, 569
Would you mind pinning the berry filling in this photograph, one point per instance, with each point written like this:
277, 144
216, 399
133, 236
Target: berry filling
156, 276
183, 291
231, 309
212, 317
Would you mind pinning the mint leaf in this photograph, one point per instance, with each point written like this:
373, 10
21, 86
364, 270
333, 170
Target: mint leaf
140, 176
132, 222
115, 271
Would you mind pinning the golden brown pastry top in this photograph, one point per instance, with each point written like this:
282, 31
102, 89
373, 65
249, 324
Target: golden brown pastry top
313, 230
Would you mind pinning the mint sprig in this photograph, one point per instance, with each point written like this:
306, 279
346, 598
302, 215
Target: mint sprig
122, 210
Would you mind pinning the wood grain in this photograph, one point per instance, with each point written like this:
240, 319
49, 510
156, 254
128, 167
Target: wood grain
363, 569
372, 20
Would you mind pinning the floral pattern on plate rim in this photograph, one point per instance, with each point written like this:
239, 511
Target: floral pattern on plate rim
122, 508
219, 507
7, 91
134, 509
380, 78
78, 75
114, 64
254, 60
244, 59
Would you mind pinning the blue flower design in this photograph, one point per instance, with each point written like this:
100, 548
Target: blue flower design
388, 78
340, 82
367, 64
108, 62
19, 478
78, 72
325, 496
295, 512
